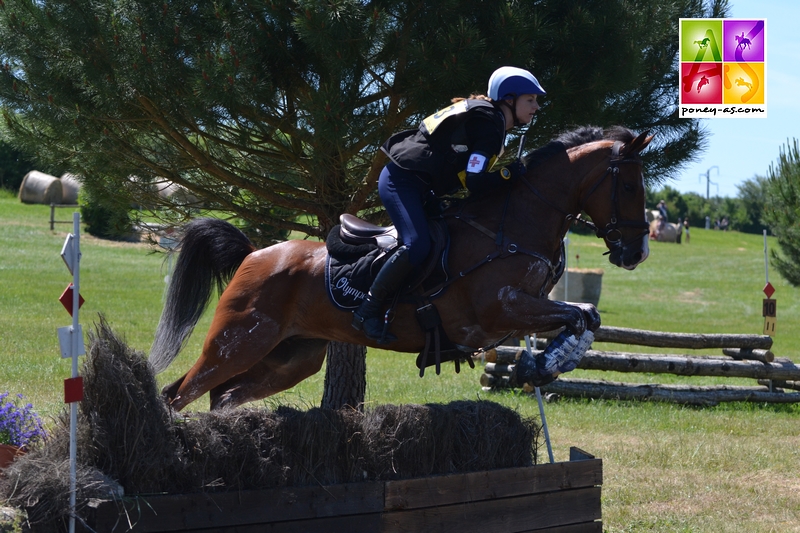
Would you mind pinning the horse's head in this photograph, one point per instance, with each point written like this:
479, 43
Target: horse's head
615, 199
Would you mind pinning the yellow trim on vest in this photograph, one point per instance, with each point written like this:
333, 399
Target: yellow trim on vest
462, 177
432, 122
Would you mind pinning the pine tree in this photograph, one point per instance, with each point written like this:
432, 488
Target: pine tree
782, 212
276, 109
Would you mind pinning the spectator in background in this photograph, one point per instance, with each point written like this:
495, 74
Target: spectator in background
686, 228
662, 215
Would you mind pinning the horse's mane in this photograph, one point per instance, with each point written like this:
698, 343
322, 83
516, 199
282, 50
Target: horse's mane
577, 137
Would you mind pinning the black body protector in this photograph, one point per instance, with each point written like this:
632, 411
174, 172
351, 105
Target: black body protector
454, 148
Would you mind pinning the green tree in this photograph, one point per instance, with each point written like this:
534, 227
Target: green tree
13, 166
275, 109
782, 211
752, 197
676, 205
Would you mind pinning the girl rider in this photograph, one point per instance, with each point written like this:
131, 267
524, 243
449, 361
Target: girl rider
453, 148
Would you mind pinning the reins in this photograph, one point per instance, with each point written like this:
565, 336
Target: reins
611, 229
505, 249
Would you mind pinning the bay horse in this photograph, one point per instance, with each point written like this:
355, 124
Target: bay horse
274, 320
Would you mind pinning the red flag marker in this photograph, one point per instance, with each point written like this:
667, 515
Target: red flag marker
73, 389
66, 299
769, 290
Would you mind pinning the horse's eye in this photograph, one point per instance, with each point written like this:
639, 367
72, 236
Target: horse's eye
628, 187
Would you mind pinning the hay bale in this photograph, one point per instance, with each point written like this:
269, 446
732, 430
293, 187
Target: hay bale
71, 187
129, 441
40, 188
176, 194
582, 285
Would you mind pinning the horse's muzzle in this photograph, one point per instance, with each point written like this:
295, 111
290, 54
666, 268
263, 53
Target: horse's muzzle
630, 256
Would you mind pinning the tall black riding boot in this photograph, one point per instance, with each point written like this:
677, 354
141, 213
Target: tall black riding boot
369, 316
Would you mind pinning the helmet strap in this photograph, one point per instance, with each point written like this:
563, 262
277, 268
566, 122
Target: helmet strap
513, 108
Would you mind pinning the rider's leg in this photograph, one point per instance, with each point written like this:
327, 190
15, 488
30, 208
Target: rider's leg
370, 316
402, 193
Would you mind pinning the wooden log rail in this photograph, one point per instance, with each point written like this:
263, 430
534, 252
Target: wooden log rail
684, 394
675, 364
692, 341
744, 356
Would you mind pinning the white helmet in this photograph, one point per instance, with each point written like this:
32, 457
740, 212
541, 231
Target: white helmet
511, 82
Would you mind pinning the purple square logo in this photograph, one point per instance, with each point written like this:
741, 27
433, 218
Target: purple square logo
743, 40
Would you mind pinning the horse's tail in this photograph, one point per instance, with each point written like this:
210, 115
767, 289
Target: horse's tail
210, 252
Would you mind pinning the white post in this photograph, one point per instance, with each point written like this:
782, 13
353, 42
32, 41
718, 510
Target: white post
766, 261
566, 267
541, 405
76, 338
766, 282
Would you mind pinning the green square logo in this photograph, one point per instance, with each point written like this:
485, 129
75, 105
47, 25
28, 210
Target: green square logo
701, 40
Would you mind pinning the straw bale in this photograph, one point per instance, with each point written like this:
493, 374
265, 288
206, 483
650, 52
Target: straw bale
40, 188
130, 442
71, 188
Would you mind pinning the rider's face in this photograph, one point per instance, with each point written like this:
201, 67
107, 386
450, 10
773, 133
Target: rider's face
526, 107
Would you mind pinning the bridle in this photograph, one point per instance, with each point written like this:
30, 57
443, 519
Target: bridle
611, 232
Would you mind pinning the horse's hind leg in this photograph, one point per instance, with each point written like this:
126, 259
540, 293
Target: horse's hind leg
237, 340
290, 362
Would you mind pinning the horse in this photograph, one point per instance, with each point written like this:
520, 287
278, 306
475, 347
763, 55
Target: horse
669, 233
274, 319
742, 41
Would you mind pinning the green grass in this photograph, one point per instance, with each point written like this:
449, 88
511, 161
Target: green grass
666, 467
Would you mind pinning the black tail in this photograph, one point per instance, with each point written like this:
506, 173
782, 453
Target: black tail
210, 252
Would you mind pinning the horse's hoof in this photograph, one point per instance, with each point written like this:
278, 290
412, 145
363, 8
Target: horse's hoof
530, 370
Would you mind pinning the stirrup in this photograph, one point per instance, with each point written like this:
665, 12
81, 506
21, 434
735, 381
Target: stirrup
384, 337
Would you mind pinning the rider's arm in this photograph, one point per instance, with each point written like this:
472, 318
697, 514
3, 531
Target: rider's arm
485, 144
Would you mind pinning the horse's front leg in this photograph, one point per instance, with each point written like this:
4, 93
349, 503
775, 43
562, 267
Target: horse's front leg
523, 312
527, 313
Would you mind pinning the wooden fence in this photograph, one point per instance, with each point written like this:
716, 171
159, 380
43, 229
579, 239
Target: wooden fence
53, 220
553, 498
743, 356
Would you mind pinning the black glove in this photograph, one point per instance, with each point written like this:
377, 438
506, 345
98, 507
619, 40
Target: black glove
517, 169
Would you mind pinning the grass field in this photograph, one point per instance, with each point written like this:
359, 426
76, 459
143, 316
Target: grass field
667, 468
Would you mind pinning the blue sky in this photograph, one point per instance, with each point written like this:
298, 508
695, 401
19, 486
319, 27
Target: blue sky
745, 147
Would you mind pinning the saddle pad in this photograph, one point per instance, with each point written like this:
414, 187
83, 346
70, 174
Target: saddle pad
351, 269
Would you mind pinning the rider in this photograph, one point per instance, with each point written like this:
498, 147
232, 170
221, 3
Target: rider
452, 149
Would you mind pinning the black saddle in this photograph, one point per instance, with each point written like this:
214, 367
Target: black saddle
353, 230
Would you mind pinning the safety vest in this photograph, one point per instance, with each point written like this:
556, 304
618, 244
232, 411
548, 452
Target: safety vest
438, 150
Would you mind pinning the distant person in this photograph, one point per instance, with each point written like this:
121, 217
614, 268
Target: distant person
723, 225
686, 228
662, 215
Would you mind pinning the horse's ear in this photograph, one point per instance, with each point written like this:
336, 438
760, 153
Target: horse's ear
638, 144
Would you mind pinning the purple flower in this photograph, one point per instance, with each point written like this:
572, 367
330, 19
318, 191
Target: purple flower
19, 423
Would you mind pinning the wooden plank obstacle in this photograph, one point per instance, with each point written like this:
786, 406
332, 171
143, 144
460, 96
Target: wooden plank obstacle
744, 356
548, 498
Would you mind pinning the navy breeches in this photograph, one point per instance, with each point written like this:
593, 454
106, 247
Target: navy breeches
403, 194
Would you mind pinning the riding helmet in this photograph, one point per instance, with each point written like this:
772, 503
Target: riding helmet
511, 82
